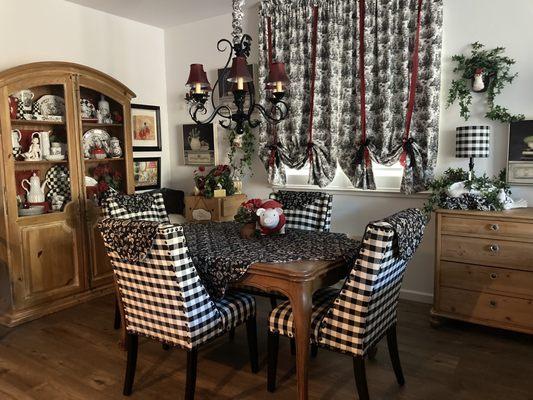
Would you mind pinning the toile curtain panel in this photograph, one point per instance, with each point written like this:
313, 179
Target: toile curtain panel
365, 82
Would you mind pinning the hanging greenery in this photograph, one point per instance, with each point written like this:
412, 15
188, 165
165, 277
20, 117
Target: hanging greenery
496, 68
241, 151
484, 192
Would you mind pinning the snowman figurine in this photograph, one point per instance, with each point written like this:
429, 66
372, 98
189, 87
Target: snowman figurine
478, 85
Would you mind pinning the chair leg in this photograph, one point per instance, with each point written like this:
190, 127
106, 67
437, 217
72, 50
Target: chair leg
132, 344
392, 344
360, 377
251, 331
372, 352
116, 323
273, 345
314, 350
190, 385
232, 334
273, 301
293, 347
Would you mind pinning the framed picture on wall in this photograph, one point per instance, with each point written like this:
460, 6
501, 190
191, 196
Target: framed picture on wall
199, 144
146, 127
520, 154
147, 173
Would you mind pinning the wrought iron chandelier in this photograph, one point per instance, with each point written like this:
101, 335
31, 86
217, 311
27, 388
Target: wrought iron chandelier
242, 85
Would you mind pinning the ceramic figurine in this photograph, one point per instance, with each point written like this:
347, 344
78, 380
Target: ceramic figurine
478, 85
114, 149
104, 111
15, 142
271, 218
34, 189
34, 153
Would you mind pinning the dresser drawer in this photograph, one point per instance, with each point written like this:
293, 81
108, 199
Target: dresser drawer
492, 252
486, 279
490, 307
496, 228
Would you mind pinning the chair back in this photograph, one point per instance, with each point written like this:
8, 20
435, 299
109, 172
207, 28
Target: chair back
143, 206
306, 210
161, 295
367, 303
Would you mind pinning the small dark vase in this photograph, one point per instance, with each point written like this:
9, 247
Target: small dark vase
248, 230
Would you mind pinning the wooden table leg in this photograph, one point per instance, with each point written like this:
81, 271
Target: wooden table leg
302, 302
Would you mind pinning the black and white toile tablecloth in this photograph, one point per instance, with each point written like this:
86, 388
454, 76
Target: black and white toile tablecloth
222, 257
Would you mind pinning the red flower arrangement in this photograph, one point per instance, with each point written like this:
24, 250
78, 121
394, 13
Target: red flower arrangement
247, 212
218, 177
107, 179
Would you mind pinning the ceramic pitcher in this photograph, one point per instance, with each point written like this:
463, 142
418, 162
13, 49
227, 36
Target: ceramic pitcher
34, 189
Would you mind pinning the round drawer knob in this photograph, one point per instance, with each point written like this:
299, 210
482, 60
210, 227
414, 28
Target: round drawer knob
494, 248
492, 303
495, 227
494, 275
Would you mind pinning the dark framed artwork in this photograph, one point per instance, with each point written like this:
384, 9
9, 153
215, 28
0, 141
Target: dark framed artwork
199, 144
520, 153
147, 173
146, 127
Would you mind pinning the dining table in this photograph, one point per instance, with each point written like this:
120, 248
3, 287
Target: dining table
296, 265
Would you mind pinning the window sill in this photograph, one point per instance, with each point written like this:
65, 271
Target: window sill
395, 193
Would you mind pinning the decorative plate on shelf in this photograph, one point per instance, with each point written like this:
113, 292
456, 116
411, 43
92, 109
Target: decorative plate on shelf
88, 110
95, 138
50, 105
58, 182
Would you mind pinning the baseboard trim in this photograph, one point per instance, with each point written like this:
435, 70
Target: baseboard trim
414, 295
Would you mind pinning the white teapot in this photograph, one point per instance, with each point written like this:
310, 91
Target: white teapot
35, 190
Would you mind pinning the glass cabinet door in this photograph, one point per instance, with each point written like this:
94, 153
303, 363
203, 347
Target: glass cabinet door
40, 150
102, 145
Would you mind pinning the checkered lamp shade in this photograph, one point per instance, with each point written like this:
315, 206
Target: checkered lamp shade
472, 141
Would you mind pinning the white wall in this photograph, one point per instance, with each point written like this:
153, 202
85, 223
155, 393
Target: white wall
56, 30
492, 22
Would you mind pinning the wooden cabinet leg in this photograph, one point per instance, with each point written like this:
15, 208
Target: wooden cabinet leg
435, 321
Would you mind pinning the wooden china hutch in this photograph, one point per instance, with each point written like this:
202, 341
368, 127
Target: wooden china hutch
55, 258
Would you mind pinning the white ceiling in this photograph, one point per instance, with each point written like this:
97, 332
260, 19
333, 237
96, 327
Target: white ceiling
163, 13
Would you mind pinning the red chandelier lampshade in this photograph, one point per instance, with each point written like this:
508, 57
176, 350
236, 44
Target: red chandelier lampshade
198, 79
239, 72
277, 77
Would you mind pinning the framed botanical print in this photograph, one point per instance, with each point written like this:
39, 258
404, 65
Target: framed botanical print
146, 127
520, 153
199, 144
147, 173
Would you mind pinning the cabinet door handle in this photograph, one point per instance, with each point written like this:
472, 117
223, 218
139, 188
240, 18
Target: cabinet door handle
492, 303
495, 227
494, 248
494, 275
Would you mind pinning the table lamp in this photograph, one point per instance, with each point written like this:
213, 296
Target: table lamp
472, 142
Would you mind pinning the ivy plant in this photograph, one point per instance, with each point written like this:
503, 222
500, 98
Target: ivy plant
497, 67
486, 197
241, 152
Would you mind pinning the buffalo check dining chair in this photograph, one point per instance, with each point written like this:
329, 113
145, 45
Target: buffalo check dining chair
306, 210
355, 318
143, 207
164, 299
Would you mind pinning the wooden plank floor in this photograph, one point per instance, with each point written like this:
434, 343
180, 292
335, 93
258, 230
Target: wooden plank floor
74, 355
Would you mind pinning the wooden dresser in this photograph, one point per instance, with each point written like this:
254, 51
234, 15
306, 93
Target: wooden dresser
484, 268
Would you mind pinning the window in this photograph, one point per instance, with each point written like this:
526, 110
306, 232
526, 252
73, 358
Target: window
387, 179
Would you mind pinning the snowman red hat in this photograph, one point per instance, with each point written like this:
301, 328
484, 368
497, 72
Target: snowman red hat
271, 218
